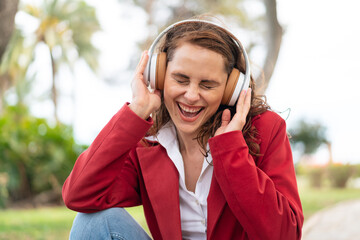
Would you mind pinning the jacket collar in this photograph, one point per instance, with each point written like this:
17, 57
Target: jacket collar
162, 185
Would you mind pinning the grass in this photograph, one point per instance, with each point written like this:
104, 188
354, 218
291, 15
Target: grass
45, 223
55, 223
315, 199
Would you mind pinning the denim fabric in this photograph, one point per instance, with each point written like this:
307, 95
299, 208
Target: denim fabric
112, 223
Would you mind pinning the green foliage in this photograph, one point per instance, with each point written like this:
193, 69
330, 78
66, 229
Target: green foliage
309, 135
339, 174
36, 156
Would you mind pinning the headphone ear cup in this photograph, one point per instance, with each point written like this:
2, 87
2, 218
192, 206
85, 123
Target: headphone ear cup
230, 86
160, 71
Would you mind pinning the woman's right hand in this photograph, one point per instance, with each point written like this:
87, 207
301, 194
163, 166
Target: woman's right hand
144, 102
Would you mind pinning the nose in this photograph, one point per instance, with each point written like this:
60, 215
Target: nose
192, 93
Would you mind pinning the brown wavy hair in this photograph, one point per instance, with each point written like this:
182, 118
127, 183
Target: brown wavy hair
220, 41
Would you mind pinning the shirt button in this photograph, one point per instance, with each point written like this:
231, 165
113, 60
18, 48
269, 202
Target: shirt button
197, 202
203, 222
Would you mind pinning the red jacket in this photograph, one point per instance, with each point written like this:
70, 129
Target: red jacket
249, 198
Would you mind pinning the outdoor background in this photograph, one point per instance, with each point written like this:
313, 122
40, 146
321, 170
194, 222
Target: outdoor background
66, 68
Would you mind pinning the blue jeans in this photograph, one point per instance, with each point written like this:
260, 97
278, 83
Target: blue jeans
112, 223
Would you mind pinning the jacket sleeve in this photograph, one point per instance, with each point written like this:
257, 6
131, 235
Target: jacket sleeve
262, 193
104, 175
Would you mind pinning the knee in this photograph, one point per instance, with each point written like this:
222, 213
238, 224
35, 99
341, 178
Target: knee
90, 225
112, 223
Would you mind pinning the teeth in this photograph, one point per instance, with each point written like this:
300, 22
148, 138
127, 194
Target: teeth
190, 110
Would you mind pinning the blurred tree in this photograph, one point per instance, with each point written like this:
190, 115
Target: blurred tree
66, 27
36, 156
309, 136
265, 25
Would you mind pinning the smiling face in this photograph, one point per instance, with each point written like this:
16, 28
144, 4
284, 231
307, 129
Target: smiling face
194, 85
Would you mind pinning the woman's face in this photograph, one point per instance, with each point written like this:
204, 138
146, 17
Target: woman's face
194, 85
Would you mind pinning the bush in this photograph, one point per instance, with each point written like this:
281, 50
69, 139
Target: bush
36, 156
356, 170
316, 176
339, 174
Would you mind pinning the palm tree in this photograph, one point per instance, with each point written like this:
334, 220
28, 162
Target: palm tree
65, 27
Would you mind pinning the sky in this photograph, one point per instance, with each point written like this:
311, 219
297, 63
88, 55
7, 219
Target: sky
316, 76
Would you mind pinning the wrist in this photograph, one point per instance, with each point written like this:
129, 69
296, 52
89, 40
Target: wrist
143, 112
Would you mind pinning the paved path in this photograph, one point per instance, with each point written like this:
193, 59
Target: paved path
340, 222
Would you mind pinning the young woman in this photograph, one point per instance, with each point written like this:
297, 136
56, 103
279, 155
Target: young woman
200, 168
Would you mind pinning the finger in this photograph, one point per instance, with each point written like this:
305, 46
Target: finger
141, 59
225, 118
248, 97
247, 102
143, 63
240, 101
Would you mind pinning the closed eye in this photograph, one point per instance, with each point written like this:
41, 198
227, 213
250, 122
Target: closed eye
209, 84
180, 78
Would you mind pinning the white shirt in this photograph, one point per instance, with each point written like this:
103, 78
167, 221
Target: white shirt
193, 206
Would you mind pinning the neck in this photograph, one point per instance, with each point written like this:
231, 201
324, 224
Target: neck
189, 144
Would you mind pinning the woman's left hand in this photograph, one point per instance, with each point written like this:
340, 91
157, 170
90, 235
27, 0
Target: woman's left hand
239, 119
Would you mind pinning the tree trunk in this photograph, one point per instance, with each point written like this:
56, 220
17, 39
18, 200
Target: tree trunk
4, 85
274, 39
8, 9
53, 87
331, 159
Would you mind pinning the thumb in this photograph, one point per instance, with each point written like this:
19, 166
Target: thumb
225, 118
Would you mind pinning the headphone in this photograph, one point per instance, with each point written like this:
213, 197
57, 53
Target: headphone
154, 74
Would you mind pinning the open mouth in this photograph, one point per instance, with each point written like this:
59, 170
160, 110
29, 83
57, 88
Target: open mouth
189, 112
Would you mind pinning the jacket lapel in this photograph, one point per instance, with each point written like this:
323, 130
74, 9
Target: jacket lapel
162, 185
216, 202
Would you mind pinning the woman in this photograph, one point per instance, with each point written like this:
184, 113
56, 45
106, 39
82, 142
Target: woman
201, 169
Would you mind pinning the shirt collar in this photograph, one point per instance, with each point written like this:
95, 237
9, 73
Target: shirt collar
167, 137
